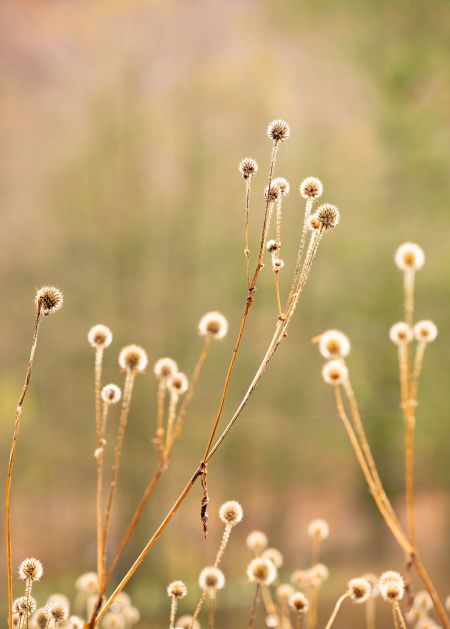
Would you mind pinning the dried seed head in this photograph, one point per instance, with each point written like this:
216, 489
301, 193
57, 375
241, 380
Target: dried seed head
59, 598
274, 555
298, 603
373, 580
333, 344
248, 167
74, 622
178, 383
131, 615
277, 264
49, 299
391, 586
186, 622
113, 621
400, 333
423, 601
313, 223
409, 256
231, 513
100, 336
40, 619
57, 610
177, 589
311, 188
328, 216
278, 130
257, 541
272, 246
317, 574
30, 569
111, 394
25, 605
318, 529
284, 592
121, 602
272, 193
359, 590
213, 324
334, 372
301, 578
133, 359
87, 583
165, 367
425, 331
262, 571
211, 578
283, 185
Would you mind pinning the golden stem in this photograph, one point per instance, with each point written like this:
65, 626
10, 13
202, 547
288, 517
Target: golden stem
174, 397
400, 615
98, 429
277, 293
418, 363
370, 613
315, 553
159, 431
336, 609
408, 296
223, 544
198, 609
212, 610
252, 618
394, 615
173, 612
247, 212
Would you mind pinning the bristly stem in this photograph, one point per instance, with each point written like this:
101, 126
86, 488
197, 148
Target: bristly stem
99, 445
159, 431
336, 609
400, 616
252, 619
12, 454
246, 243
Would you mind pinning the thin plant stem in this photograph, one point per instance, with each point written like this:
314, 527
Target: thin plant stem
298, 621
212, 610
277, 293
223, 544
315, 552
12, 454
173, 612
408, 292
252, 618
418, 363
370, 613
336, 609
99, 453
394, 615
174, 397
198, 609
269, 605
159, 431
400, 615
246, 244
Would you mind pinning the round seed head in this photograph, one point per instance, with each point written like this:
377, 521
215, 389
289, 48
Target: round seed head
274, 555
186, 622
257, 541
178, 383
311, 188
277, 264
301, 578
328, 216
318, 528
49, 299
272, 246
25, 605
318, 574
74, 622
334, 344
425, 331
133, 359
213, 324
57, 610
271, 620
111, 394
359, 590
231, 513
248, 167
87, 583
165, 367
278, 130
59, 598
272, 193
283, 185
211, 579
391, 586
423, 601
177, 589
313, 223
40, 618
262, 571
30, 569
100, 336
131, 615
409, 256
400, 333
335, 372
121, 602
284, 592
113, 621
298, 603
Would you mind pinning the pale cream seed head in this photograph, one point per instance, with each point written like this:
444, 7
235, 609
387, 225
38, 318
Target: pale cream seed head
400, 333
317, 574
113, 621
211, 578
131, 615
186, 622
24, 605
248, 167
299, 603
318, 528
87, 583
100, 336
177, 589
359, 590
334, 344
272, 193
111, 394
271, 620
409, 256
391, 586
121, 602
313, 223
59, 598
261, 571
328, 216
213, 324
311, 188
423, 601
301, 578
272, 246
284, 592
178, 383
31, 569
74, 622
283, 185
40, 618
277, 264
164, 368
57, 610
273, 555
257, 541
278, 130
425, 331
231, 513
133, 359
335, 372
49, 299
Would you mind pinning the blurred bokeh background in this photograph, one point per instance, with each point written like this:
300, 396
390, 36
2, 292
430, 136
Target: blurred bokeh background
122, 125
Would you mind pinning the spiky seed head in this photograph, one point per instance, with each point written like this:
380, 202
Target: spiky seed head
248, 167
328, 215
335, 372
262, 571
121, 602
178, 383
359, 590
373, 580
313, 223
301, 578
133, 359
425, 331
87, 583
272, 246
277, 264
100, 336
278, 130
272, 193
211, 578
231, 513
58, 610
165, 367
75, 622
131, 615
24, 605
423, 601
40, 618
113, 621
274, 555
317, 574
177, 589
186, 622
391, 586
49, 299
311, 188
318, 528
409, 256
213, 324
334, 344
401, 333
111, 394
283, 185
31, 569
299, 603
257, 541
284, 592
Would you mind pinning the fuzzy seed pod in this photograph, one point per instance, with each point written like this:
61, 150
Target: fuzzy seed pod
334, 344
74, 622
231, 513
313, 223
299, 603
178, 383
277, 264
318, 528
318, 574
272, 193
213, 324
186, 622
257, 541
30, 570
334, 372
359, 590
49, 299
272, 246
211, 578
165, 367
100, 336
283, 185
400, 333
87, 583
177, 589
40, 619
328, 216
311, 188
133, 358
111, 394
271, 620
391, 586
113, 621
273, 555
131, 615
409, 256
278, 130
24, 605
284, 592
425, 331
262, 571
57, 610
248, 167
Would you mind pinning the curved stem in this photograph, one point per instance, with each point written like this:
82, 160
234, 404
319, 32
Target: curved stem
336, 609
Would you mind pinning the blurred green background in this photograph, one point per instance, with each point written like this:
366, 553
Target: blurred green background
122, 125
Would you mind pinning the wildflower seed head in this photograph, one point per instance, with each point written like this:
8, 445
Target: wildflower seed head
178, 383
391, 586
278, 130
425, 331
75, 622
100, 336
165, 367
313, 223
409, 256
57, 610
299, 603
121, 602
131, 615
59, 598
373, 580
261, 571
213, 324
301, 578
401, 333
133, 359
248, 167
257, 541
335, 372
272, 246
111, 394
24, 605
283, 185
334, 344
177, 589
284, 592
359, 590
40, 619
277, 264
113, 621
311, 188
318, 528
186, 622
272, 193
271, 620
274, 555
231, 513
328, 216
423, 601
87, 583
211, 579
49, 299
30, 570
318, 574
